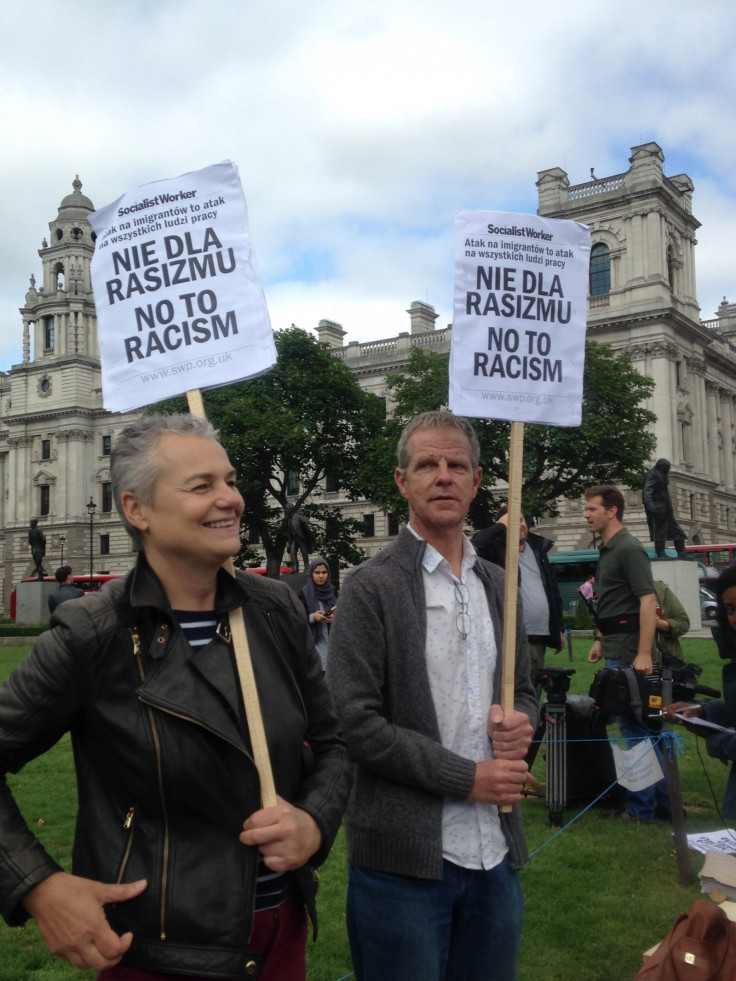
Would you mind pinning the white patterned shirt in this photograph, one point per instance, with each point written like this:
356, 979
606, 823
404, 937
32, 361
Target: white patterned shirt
460, 673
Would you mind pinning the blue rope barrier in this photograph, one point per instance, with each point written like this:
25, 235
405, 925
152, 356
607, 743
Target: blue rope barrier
675, 743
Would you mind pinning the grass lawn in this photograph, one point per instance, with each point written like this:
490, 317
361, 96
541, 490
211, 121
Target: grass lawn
597, 895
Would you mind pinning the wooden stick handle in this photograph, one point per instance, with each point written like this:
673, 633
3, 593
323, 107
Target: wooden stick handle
511, 585
244, 664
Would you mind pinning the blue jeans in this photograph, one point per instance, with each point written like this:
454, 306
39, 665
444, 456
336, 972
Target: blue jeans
465, 927
641, 803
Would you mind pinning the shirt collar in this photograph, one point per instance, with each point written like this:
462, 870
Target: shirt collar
432, 560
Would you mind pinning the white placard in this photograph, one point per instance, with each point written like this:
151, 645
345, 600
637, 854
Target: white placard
518, 333
638, 767
179, 302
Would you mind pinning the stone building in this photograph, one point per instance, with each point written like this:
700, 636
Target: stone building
643, 303
55, 437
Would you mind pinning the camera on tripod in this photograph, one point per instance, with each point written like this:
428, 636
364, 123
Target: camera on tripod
555, 682
620, 691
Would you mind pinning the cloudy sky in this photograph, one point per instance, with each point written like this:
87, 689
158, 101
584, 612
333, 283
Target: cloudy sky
359, 128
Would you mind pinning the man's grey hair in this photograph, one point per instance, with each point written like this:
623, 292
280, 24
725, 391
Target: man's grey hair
439, 419
134, 462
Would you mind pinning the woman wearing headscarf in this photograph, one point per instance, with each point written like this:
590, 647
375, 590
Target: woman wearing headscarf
319, 601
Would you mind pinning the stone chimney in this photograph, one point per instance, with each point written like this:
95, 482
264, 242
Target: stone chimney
422, 317
330, 333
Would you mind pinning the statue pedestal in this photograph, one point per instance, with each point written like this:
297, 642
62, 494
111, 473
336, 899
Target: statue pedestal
682, 578
31, 602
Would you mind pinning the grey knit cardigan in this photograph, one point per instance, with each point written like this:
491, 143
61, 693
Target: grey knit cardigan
377, 674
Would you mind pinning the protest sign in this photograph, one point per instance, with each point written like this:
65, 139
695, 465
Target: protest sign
179, 302
518, 333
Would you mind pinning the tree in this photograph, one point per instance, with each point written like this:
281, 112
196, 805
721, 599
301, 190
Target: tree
610, 446
307, 417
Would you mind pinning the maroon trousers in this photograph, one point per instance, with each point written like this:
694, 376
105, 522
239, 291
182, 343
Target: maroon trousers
279, 934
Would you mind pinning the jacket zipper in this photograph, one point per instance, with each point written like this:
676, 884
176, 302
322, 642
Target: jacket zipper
127, 826
137, 652
159, 769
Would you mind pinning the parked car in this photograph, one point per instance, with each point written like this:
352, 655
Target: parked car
708, 603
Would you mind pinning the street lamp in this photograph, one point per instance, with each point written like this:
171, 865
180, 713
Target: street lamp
62, 543
91, 508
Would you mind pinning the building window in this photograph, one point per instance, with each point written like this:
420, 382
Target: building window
44, 499
48, 333
104, 544
332, 483
45, 449
106, 497
292, 483
253, 535
369, 526
106, 445
600, 270
393, 524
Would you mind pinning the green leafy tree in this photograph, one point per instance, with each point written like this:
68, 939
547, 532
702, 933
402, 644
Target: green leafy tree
307, 416
610, 446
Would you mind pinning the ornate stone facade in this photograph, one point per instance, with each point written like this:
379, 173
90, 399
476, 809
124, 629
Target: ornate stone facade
55, 437
650, 315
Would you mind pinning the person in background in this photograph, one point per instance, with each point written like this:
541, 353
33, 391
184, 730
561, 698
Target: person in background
587, 592
626, 622
319, 599
177, 869
66, 589
671, 623
415, 674
540, 594
720, 745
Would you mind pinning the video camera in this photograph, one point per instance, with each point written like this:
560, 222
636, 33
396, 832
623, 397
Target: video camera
555, 682
620, 691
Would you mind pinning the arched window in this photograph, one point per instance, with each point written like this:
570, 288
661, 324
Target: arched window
600, 270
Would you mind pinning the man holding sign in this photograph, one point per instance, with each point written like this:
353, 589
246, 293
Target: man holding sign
414, 670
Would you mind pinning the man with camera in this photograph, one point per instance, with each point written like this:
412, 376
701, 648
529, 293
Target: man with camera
626, 619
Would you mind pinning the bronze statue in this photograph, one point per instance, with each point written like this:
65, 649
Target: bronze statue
300, 537
37, 542
663, 526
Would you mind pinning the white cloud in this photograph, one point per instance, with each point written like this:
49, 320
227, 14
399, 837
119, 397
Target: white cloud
359, 129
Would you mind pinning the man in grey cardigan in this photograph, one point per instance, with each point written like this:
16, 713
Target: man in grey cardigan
415, 674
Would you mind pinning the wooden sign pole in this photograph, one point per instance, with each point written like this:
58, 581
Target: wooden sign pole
245, 666
511, 583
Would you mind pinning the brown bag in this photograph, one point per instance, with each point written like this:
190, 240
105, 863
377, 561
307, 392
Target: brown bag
700, 947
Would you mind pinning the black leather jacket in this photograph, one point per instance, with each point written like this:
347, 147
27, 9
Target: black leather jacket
163, 760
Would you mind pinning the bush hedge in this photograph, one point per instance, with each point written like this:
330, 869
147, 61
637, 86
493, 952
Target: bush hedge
22, 630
